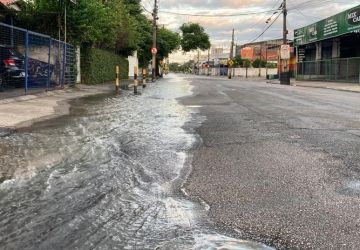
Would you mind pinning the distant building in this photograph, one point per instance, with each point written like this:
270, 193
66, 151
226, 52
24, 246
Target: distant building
264, 50
216, 51
7, 8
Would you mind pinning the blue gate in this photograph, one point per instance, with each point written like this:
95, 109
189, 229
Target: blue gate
30, 60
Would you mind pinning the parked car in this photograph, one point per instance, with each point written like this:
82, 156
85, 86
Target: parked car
12, 72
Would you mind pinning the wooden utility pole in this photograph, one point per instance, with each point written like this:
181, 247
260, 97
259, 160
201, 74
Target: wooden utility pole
231, 55
284, 75
153, 69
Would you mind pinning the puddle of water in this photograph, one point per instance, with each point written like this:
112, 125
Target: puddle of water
351, 188
106, 176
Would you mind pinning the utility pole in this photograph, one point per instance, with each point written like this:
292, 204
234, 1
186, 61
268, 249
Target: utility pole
266, 59
198, 62
260, 59
231, 55
208, 63
153, 69
284, 75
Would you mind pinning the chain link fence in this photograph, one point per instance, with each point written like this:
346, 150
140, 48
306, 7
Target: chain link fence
339, 69
31, 60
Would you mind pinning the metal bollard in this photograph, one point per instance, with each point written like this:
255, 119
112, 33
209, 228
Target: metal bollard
117, 78
144, 75
135, 79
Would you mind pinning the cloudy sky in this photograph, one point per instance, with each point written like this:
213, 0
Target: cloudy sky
249, 19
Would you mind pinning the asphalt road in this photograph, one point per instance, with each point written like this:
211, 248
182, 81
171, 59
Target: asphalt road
278, 164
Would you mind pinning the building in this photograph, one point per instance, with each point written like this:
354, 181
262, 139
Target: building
7, 10
330, 49
264, 50
267, 51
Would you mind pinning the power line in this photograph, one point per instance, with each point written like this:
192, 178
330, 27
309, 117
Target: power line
262, 33
217, 15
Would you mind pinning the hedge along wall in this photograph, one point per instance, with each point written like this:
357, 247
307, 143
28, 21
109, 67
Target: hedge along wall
98, 66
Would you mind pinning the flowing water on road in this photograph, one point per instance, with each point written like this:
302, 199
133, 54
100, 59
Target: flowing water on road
107, 176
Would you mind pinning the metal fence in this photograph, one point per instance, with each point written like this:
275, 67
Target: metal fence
339, 69
31, 60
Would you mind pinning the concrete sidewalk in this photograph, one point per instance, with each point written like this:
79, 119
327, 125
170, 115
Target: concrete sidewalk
24, 110
341, 86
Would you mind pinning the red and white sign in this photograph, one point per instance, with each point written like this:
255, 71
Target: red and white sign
285, 52
153, 50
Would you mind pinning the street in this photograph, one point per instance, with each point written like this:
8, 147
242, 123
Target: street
108, 176
279, 164
192, 162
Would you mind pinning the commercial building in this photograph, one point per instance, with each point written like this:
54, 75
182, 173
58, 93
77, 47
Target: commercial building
267, 51
330, 49
264, 50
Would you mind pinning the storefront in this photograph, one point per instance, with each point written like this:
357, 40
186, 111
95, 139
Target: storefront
330, 49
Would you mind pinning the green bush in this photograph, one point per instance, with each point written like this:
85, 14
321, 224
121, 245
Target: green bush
98, 66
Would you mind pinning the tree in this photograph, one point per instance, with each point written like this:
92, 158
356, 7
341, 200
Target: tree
259, 63
246, 63
167, 42
238, 61
111, 24
194, 37
174, 67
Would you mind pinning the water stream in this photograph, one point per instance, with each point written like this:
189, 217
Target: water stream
107, 176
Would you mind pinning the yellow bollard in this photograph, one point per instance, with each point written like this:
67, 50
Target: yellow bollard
117, 75
144, 77
135, 79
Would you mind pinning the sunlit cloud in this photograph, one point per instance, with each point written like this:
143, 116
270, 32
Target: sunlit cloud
247, 28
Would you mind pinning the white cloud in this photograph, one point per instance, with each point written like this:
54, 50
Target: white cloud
246, 27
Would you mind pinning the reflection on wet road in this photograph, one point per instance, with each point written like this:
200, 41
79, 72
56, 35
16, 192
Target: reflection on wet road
108, 176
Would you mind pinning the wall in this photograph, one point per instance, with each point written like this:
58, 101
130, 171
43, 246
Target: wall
241, 72
133, 61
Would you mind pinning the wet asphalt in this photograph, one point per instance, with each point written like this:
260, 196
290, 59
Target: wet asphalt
108, 176
278, 164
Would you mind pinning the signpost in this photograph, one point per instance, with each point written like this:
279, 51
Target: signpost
345, 22
285, 52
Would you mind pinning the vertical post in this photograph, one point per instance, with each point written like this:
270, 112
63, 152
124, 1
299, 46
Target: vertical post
347, 69
198, 60
65, 22
260, 59
284, 74
49, 64
359, 72
208, 63
26, 61
231, 54
117, 79
266, 59
63, 66
296, 62
12, 31
143, 77
153, 69
135, 79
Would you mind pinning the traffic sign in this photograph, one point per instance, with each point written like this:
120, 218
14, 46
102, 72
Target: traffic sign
153, 50
285, 52
231, 62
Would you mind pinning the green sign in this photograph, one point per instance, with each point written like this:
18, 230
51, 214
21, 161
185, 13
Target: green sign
340, 24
